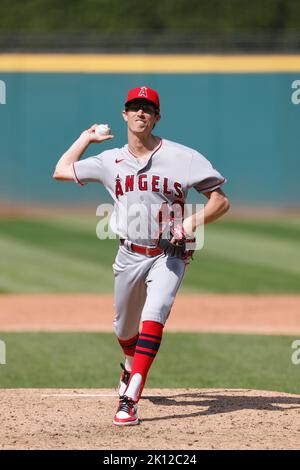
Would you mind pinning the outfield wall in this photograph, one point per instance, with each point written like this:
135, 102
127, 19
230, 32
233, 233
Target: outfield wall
236, 111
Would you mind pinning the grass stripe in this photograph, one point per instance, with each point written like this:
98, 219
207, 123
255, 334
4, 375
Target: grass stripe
213, 273
64, 255
79, 242
259, 250
289, 231
27, 268
73, 360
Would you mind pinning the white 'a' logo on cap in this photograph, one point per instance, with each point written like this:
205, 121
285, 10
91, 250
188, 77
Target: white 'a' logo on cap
143, 91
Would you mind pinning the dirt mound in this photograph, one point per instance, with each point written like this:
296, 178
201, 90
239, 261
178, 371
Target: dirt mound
270, 314
171, 419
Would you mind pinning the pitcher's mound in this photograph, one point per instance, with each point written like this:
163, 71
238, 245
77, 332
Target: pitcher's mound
170, 419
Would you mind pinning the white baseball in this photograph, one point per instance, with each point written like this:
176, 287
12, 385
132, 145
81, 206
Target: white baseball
102, 129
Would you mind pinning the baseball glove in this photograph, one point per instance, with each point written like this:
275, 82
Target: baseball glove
173, 239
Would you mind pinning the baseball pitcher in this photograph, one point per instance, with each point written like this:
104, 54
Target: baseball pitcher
150, 264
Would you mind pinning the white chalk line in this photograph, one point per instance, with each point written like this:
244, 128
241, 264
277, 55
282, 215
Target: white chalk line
80, 395
87, 395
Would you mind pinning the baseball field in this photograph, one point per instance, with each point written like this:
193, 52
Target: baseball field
226, 376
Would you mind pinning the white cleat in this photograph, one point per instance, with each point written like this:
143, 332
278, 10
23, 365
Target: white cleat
126, 413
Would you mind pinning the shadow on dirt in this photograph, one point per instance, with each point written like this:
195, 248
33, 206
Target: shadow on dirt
217, 403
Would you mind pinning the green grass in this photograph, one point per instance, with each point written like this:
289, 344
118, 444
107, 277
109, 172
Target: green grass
73, 360
64, 255
54, 256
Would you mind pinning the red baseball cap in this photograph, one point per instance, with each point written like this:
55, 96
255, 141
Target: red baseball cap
145, 93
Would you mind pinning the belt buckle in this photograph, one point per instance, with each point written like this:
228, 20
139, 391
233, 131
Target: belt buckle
148, 251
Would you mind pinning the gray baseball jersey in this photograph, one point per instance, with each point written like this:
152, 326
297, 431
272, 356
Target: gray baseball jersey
145, 288
167, 176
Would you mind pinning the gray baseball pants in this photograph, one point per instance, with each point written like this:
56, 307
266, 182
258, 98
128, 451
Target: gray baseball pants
145, 289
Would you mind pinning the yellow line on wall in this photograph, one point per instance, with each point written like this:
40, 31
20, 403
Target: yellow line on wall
121, 63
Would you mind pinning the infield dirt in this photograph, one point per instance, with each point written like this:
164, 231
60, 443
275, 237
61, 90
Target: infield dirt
231, 313
171, 419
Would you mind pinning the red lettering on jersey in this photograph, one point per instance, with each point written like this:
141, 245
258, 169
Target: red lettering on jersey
118, 188
155, 181
129, 182
178, 211
179, 193
143, 185
166, 186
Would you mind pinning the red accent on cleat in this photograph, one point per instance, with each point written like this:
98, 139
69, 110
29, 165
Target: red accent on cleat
127, 413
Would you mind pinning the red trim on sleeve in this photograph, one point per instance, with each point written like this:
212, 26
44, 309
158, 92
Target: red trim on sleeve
211, 188
77, 179
216, 185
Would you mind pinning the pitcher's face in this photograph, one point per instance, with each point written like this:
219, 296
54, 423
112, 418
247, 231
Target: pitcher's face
141, 115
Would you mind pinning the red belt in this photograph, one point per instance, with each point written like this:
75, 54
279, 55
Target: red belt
143, 250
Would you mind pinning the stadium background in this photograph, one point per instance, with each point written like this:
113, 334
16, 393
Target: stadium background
227, 93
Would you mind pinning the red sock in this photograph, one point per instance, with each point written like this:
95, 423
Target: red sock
145, 352
128, 345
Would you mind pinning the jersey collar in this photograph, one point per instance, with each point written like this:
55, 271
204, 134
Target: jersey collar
153, 152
